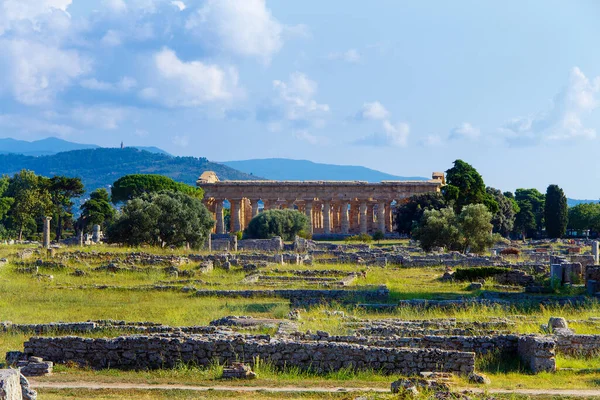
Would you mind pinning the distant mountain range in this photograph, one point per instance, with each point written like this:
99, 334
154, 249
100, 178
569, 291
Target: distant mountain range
100, 167
303, 170
52, 145
574, 202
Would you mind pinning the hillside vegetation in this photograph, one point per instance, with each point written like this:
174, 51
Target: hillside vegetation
101, 167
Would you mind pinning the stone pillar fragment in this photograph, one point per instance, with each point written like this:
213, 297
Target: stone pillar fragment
344, 217
46, 242
381, 216
363, 216
596, 252
220, 224
308, 210
254, 208
235, 215
326, 217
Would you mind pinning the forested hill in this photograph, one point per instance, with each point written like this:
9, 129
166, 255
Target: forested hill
101, 167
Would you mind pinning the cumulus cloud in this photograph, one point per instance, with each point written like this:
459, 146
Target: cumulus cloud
14, 11
350, 56
179, 4
432, 141
465, 131
564, 119
99, 116
374, 111
245, 28
179, 83
32, 124
35, 72
309, 138
124, 85
393, 135
297, 97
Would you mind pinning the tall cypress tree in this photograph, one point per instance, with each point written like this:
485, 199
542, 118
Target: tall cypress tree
556, 212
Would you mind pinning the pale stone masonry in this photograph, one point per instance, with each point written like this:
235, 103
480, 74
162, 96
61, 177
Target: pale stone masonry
332, 207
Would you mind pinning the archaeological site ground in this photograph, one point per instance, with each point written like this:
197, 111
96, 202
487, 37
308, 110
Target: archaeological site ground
306, 318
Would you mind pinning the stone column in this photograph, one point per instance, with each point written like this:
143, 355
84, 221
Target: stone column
220, 224
363, 216
388, 217
345, 222
247, 213
335, 220
326, 217
308, 210
595, 252
46, 242
381, 226
370, 217
235, 215
254, 208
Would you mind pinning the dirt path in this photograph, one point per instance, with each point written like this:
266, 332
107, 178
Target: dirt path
292, 389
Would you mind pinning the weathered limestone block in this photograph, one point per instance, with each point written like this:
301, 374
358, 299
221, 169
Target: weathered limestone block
538, 353
10, 385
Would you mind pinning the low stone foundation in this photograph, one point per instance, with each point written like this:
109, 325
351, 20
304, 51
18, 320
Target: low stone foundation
578, 345
166, 351
537, 352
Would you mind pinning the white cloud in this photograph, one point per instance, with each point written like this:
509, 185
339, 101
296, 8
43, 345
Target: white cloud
117, 6
104, 117
181, 141
179, 4
465, 131
245, 28
297, 97
351, 56
111, 39
124, 85
432, 141
34, 72
393, 135
29, 124
564, 120
374, 110
177, 83
306, 136
12, 11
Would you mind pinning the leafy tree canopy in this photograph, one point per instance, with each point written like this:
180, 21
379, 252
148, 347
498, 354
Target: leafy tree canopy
97, 210
585, 216
504, 218
129, 187
168, 218
465, 186
409, 214
531, 206
284, 223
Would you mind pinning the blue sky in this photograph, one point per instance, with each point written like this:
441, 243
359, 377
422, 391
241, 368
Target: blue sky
406, 87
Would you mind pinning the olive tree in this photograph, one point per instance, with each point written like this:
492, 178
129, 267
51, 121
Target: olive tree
284, 223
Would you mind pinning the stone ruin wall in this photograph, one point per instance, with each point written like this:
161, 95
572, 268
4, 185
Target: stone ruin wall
166, 351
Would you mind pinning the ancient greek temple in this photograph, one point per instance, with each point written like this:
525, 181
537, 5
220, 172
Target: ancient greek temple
333, 207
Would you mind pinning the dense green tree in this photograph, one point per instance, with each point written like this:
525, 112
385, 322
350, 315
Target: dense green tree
284, 223
475, 227
503, 219
531, 203
409, 214
465, 186
5, 201
525, 219
96, 210
556, 212
471, 230
166, 218
438, 228
585, 216
131, 186
31, 200
62, 191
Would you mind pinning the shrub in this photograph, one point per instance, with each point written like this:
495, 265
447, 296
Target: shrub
363, 238
378, 236
510, 251
284, 223
476, 273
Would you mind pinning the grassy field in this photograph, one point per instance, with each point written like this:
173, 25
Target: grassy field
25, 298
